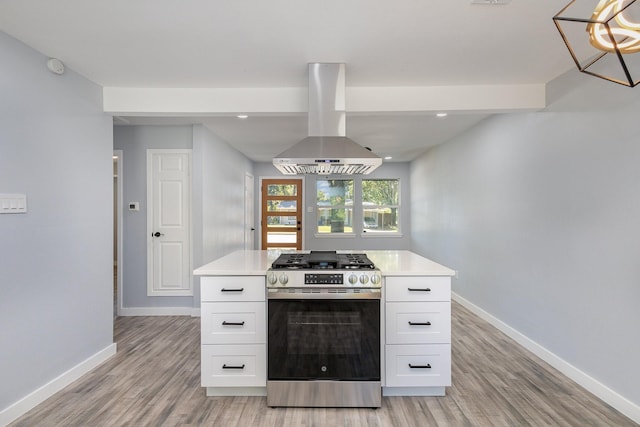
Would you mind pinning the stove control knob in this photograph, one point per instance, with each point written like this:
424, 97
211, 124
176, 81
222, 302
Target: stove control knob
272, 279
353, 279
376, 279
284, 279
364, 279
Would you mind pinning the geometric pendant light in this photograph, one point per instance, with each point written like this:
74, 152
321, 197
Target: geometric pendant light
603, 38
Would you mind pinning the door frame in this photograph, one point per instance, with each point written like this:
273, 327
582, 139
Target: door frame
119, 222
249, 207
303, 211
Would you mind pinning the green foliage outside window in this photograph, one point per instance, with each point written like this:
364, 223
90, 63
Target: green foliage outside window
282, 189
380, 192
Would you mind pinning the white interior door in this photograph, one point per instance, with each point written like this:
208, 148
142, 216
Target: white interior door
249, 217
169, 222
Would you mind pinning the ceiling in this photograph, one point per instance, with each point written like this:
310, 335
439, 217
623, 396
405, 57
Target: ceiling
240, 44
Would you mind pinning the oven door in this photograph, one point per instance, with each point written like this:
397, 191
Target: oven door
326, 339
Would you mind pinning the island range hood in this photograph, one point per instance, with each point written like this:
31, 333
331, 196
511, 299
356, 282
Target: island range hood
327, 150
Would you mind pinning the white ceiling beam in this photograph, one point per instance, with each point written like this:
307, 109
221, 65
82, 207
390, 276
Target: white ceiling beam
486, 99
221, 101
202, 101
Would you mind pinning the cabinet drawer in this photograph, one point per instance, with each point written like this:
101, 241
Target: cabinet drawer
418, 365
234, 366
418, 322
415, 288
233, 323
232, 288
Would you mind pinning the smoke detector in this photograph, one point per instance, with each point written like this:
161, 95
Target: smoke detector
55, 66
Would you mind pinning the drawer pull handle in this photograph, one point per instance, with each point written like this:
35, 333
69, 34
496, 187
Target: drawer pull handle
419, 290
427, 366
225, 323
232, 290
419, 323
232, 367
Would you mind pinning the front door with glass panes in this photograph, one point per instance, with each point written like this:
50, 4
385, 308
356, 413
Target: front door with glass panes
281, 222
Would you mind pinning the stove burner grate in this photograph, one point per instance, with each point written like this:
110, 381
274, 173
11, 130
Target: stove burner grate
323, 260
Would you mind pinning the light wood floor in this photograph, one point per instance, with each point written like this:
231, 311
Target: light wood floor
154, 380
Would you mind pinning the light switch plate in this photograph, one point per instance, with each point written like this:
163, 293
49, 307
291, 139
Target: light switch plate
13, 203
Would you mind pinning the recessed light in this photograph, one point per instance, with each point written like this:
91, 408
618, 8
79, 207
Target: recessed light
441, 115
388, 158
242, 116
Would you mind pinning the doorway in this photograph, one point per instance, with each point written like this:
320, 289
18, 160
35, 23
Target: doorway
117, 232
281, 214
249, 221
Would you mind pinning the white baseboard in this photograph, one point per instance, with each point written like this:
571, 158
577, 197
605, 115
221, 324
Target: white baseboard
38, 396
157, 311
600, 390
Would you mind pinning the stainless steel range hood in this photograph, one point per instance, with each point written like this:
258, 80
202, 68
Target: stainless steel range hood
327, 150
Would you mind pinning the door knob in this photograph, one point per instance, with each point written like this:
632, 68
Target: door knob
157, 234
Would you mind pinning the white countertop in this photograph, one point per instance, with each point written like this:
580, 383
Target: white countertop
407, 263
390, 263
239, 263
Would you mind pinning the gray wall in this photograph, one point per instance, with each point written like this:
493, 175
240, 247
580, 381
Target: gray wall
386, 171
217, 203
219, 173
539, 214
56, 287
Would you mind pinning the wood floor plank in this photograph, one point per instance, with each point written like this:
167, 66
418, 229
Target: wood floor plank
154, 380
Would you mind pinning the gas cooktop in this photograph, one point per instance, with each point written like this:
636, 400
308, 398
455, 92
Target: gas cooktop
322, 260
323, 269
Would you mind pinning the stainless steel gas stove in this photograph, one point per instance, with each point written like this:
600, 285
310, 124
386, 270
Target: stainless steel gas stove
323, 270
324, 330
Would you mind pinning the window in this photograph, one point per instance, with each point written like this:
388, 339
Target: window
380, 205
335, 205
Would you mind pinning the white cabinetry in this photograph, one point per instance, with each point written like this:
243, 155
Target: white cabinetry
417, 335
233, 335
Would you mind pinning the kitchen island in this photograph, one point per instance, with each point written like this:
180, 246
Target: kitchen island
256, 263
415, 329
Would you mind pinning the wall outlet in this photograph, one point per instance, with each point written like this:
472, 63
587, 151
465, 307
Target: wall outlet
134, 206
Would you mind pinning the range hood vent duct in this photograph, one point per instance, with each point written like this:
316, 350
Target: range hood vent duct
327, 150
